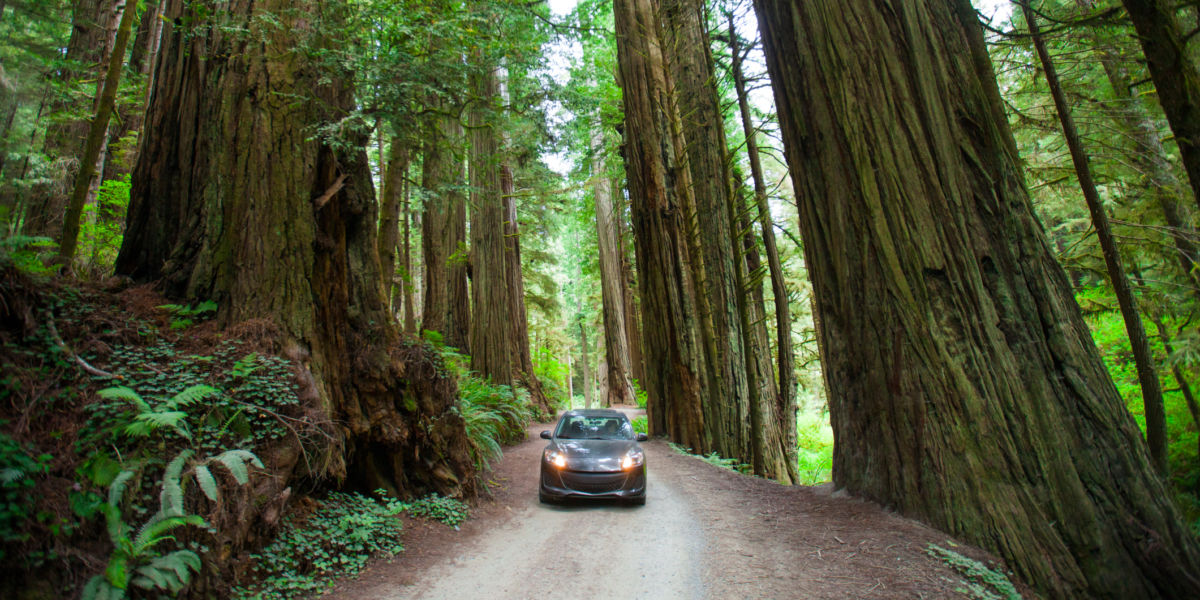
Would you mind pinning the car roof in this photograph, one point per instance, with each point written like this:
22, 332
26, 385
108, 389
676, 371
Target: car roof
594, 412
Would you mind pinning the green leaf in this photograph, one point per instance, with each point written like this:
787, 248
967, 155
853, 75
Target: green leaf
171, 498
235, 461
192, 395
124, 393
208, 484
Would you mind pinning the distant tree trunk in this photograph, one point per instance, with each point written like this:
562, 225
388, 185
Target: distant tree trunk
491, 345
1185, 388
91, 22
518, 317
616, 377
96, 138
443, 241
628, 283
674, 375
141, 61
392, 195
410, 320
785, 407
1152, 400
1161, 182
1175, 76
964, 386
235, 200
586, 382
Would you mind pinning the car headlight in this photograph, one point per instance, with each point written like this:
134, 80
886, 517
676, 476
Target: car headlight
555, 458
633, 459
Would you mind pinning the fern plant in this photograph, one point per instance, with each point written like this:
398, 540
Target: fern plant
136, 559
149, 419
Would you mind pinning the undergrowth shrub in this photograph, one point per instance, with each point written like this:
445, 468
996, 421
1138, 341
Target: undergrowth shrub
18, 468
335, 541
982, 582
494, 416
553, 375
443, 510
641, 425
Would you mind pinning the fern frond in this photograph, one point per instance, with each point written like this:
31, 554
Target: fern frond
149, 422
154, 532
235, 461
208, 484
191, 396
124, 393
171, 498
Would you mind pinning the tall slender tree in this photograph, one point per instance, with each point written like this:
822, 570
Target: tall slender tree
964, 387
619, 386
674, 371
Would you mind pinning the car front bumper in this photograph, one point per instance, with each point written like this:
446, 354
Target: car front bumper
565, 483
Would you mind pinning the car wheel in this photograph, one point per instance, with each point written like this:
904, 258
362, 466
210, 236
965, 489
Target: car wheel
544, 499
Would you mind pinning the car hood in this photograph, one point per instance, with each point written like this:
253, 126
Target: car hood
593, 455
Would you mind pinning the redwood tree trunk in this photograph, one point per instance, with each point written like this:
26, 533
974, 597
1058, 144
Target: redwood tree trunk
670, 328
235, 201
518, 317
491, 345
964, 387
618, 385
389, 217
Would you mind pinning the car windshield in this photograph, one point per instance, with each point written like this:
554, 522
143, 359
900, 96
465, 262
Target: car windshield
579, 427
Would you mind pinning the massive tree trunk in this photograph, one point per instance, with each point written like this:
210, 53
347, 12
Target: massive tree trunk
518, 317
1152, 399
785, 404
443, 239
729, 394
235, 200
673, 365
633, 328
964, 386
1175, 76
618, 385
491, 344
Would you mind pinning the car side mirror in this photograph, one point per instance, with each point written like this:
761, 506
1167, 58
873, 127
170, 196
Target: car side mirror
545, 435
641, 437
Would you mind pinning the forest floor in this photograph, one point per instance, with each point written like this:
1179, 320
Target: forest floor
705, 532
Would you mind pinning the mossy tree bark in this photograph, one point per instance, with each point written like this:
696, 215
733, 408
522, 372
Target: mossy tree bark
391, 196
964, 386
443, 240
236, 201
670, 330
785, 403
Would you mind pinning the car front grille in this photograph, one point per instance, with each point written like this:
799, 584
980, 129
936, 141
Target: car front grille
593, 483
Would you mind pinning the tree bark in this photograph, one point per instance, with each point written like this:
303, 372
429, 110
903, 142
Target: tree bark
1175, 76
443, 241
1152, 400
586, 382
687, 54
628, 284
222, 208
392, 193
618, 385
410, 319
785, 406
491, 343
141, 61
670, 337
964, 387
518, 317
96, 138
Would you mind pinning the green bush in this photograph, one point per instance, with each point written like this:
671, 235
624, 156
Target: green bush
494, 416
336, 541
641, 425
553, 375
17, 471
443, 510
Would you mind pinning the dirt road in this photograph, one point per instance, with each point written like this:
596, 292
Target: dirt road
705, 532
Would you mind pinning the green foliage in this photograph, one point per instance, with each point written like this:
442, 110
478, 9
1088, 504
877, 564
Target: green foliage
814, 448
443, 510
639, 395
714, 459
18, 468
983, 582
183, 314
101, 228
553, 375
493, 415
336, 541
25, 253
641, 425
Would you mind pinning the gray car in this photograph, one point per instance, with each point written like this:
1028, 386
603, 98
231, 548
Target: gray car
593, 454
